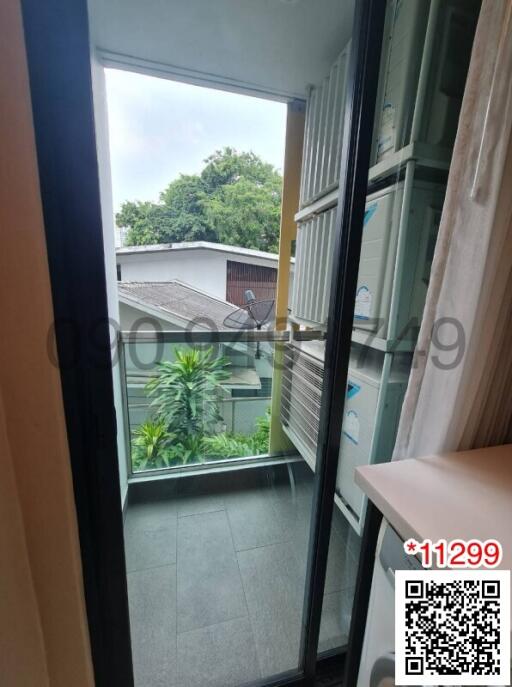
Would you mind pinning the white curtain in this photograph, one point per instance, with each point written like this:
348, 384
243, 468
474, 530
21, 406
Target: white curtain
469, 302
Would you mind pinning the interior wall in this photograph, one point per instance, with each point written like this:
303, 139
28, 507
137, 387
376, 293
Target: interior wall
22, 650
43, 624
107, 216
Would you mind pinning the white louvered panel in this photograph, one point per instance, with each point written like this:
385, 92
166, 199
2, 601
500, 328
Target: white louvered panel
314, 250
336, 88
340, 114
298, 279
314, 246
322, 137
315, 116
323, 287
306, 151
327, 140
310, 272
302, 276
318, 264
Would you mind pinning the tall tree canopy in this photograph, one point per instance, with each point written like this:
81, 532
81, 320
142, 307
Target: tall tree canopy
235, 200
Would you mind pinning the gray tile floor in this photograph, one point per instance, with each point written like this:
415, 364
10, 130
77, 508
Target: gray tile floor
216, 579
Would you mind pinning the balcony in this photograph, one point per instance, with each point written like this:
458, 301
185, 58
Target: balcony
196, 399
216, 570
216, 545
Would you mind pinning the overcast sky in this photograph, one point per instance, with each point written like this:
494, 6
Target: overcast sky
161, 128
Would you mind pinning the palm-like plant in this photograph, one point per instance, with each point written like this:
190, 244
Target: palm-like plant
151, 442
186, 392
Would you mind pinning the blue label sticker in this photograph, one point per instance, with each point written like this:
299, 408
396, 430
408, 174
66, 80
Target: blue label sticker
363, 305
368, 213
352, 389
351, 426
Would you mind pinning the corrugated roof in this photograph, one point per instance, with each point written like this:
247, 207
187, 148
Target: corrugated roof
178, 299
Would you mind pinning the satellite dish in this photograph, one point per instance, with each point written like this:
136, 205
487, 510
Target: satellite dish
254, 315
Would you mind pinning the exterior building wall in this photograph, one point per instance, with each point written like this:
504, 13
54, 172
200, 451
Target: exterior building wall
223, 275
242, 276
203, 269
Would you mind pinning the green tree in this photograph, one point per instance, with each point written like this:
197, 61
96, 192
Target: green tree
235, 200
227, 166
246, 214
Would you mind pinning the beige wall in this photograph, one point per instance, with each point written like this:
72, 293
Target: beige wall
43, 630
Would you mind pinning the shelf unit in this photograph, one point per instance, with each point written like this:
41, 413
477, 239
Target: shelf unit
419, 151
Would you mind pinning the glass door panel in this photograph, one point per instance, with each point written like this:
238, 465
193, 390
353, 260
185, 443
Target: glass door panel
413, 134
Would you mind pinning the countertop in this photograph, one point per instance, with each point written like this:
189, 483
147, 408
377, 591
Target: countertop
463, 495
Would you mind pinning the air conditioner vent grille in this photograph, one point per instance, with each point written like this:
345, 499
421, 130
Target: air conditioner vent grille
301, 397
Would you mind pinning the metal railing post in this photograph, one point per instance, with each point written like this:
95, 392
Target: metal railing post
124, 397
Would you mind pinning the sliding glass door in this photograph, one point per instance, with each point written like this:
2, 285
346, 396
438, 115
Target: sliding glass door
217, 570
238, 549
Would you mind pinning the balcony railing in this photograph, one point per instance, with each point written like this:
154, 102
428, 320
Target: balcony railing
198, 399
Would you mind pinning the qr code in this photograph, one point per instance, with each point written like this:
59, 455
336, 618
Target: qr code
452, 627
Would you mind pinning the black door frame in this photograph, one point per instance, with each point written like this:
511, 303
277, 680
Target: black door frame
58, 52
362, 81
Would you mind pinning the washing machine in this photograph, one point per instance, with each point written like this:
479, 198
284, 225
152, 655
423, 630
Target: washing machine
377, 668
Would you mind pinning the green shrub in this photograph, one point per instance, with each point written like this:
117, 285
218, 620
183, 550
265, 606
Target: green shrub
185, 401
261, 436
153, 446
187, 390
227, 445
232, 445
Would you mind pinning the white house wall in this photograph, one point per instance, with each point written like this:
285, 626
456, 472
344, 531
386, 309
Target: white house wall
203, 269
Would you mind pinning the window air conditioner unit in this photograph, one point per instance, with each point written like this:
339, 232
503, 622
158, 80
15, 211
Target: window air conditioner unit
382, 225
377, 264
401, 65
371, 413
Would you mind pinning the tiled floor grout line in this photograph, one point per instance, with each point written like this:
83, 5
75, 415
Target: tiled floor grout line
249, 616
206, 627
151, 567
203, 512
291, 536
262, 546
